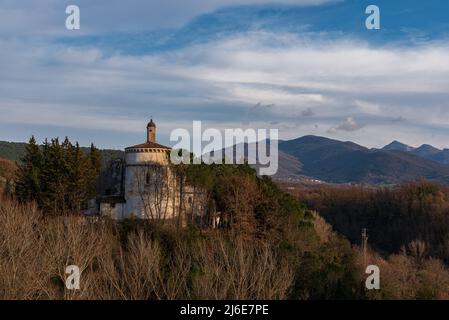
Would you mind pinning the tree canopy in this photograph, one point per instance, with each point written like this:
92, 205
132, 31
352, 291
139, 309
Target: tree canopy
59, 177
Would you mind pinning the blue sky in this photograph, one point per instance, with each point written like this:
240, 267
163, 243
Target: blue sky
302, 66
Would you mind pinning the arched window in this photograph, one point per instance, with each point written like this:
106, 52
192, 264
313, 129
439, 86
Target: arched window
148, 177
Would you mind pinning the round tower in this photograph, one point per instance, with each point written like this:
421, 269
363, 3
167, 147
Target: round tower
147, 174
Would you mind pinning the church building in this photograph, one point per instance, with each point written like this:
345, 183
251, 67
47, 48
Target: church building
149, 187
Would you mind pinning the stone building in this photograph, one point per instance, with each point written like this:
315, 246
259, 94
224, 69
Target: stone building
147, 187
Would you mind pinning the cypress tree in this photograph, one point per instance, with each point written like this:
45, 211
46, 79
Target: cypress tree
55, 177
79, 178
28, 178
95, 159
93, 171
59, 176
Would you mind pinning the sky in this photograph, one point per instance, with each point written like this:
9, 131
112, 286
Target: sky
300, 66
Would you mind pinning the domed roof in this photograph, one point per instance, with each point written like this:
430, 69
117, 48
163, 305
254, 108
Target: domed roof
151, 124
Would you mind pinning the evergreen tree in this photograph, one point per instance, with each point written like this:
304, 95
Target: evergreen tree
93, 169
28, 178
55, 177
80, 178
95, 159
59, 176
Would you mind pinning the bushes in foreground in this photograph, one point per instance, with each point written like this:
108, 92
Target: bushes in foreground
138, 261
395, 217
147, 263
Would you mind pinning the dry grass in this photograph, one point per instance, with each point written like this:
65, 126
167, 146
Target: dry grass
35, 250
142, 264
238, 271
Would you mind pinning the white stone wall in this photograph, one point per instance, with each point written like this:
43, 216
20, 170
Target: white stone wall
144, 156
149, 199
154, 200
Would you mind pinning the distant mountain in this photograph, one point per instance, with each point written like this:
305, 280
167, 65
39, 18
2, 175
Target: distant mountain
288, 165
398, 146
319, 158
312, 149
346, 162
14, 151
328, 160
425, 151
442, 156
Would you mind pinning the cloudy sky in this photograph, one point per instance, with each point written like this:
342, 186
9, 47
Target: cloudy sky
302, 66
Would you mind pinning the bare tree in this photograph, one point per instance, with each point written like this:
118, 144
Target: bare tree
156, 189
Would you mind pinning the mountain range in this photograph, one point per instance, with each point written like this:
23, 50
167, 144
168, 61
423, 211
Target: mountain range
426, 151
333, 161
346, 162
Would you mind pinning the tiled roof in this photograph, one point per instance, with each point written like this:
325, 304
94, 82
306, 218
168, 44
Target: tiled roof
149, 145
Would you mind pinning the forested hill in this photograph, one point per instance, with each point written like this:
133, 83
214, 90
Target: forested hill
15, 150
12, 150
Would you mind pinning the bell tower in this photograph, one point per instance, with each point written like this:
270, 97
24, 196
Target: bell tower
151, 131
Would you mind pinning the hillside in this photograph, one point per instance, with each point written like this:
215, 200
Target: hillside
330, 161
312, 158
288, 166
346, 162
7, 168
398, 146
425, 151
12, 150
442, 156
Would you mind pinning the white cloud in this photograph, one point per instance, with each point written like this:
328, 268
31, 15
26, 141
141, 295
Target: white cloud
251, 95
349, 124
368, 107
74, 116
85, 88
